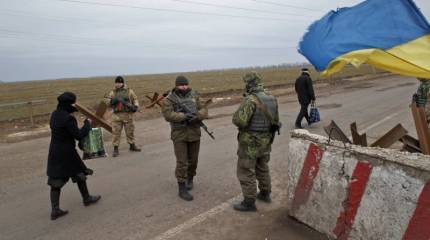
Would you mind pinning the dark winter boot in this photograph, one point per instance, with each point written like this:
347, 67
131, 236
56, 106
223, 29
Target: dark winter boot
133, 148
247, 205
55, 204
115, 151
189, 185
183, 192
86, 197
264, 196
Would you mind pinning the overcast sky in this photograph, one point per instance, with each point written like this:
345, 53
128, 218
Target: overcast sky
47, 39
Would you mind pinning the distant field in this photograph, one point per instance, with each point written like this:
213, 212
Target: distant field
90, 91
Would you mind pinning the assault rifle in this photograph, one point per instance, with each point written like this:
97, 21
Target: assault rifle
186, 110
275, 128
127, 104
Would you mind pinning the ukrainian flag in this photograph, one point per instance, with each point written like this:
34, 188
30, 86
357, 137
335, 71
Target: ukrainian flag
389, 34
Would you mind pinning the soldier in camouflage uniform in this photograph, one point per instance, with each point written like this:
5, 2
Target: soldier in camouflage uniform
184, 109
124, 102
256, 117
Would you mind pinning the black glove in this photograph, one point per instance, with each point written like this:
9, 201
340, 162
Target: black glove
133, 108
81, 145
88, 171
276, 128
191, 118
87, 122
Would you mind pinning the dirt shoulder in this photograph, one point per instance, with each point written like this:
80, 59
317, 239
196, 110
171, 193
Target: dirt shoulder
22, 130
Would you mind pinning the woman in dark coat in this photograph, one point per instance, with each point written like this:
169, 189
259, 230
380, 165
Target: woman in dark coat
64, 161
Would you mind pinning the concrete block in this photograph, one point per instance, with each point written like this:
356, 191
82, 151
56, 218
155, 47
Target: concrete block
356, 192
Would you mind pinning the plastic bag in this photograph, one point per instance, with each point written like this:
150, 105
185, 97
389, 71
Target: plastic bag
314, 115
93, 144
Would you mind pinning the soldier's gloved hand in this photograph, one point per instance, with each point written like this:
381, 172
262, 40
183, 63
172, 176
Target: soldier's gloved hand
188, 116
191, 118
134, 108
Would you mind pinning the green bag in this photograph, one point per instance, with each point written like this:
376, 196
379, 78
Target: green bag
93, 145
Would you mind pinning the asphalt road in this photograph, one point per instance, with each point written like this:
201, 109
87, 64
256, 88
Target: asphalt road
139, 191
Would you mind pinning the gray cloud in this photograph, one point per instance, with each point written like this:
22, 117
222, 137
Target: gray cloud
42, 39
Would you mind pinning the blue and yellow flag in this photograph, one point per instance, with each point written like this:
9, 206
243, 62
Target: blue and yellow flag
389, 34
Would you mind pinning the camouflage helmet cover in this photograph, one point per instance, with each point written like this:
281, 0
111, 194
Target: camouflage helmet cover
252, 78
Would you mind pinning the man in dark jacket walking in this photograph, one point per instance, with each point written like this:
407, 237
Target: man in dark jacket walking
305, 94
64, 161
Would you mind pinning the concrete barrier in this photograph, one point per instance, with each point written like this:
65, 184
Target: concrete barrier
353, 192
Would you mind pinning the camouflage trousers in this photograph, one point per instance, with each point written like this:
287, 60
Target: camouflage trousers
251, 170
120, 121
187, 156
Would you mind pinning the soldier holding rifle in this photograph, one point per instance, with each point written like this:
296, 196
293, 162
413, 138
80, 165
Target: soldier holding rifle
185, 111
124, 102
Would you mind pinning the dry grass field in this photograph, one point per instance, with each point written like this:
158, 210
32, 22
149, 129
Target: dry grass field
90, 91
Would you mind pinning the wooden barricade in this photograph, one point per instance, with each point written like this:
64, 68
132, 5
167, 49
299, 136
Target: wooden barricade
95, 118
422, 128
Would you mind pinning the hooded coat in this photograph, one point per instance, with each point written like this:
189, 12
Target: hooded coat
63, 159
304, 89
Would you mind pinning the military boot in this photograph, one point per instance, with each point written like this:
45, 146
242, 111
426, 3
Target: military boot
189, 185
183, 192
86, 197
264, 196
115, 151
247, 205
55, 204
134, 148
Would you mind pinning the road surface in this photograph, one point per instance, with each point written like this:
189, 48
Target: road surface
139, 191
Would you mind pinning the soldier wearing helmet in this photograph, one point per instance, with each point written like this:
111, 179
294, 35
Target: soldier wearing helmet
256, 119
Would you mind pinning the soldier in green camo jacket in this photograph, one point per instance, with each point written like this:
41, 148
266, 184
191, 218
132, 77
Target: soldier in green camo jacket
255, 118
185, 132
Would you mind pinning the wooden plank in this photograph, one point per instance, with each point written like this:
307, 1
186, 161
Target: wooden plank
421, 126
101, 109
411, 144
358, 139
334, 132
97, 121
392, 136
